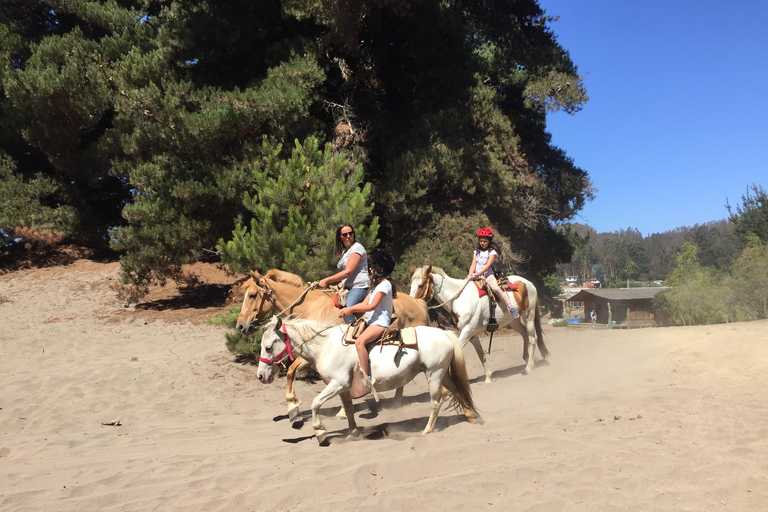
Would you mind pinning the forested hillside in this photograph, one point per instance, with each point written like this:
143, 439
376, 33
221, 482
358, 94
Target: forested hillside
627, 254
174, 131
717, 272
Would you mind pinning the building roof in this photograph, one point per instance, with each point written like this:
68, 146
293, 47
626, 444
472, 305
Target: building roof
619, 293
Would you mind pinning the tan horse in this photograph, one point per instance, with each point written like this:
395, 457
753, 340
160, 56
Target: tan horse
281, 290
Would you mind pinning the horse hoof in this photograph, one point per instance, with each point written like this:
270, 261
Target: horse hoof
353, 434
294, 415
321, 436
342, 414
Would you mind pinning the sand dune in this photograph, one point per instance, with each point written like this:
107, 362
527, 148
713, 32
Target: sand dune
650, 419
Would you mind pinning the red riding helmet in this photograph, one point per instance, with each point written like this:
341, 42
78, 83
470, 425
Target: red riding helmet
485, 232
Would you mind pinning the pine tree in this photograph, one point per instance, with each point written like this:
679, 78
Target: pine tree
296, 205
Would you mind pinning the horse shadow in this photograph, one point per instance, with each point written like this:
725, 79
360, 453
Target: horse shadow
398, 430
509, 372
369, 409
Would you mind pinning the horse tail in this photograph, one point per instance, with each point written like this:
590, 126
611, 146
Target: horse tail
457, 374
540, 335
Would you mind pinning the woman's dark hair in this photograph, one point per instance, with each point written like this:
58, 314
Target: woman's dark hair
339, 244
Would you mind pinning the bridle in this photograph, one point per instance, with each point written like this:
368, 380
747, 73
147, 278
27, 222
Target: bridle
266, 295
280, 358
427, 281
431, 280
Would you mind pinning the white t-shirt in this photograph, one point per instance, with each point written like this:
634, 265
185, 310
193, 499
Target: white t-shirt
481, 260
382, 315
359, 278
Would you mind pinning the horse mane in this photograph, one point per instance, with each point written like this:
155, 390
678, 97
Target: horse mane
282, 276
307, 329
435, 270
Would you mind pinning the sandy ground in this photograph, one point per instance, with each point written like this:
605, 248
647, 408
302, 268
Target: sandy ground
648, 419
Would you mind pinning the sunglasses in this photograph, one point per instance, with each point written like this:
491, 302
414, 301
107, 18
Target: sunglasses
348, 233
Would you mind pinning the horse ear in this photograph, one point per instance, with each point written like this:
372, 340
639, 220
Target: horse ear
429, 270
414, 268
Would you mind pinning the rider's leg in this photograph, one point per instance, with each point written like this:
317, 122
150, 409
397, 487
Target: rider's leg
371, 333
491, 280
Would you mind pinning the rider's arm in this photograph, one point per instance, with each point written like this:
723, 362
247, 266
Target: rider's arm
363, 307
352, 262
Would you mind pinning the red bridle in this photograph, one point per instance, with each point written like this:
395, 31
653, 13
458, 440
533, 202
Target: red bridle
279, 359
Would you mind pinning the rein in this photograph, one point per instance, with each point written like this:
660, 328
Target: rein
280, 358
466, 281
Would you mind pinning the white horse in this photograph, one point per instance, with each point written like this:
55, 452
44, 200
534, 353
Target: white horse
471, 312
438, 354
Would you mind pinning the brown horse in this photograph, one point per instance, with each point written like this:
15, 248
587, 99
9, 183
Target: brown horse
282, 290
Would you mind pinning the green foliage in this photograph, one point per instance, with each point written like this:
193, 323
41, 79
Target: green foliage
552, 286
246, 347
750, 282
296, 206
718, 247
228, 319
23, 203
598, 272
560, 323
687, 267
751, 216
698, 295
145, 120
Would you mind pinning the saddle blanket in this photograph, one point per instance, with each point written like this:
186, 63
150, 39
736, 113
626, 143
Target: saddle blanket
505, 286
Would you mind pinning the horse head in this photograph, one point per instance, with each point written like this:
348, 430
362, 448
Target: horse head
275, 348
258, 301
422, 283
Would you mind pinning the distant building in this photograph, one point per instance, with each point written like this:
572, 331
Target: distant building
571, 280
627, 306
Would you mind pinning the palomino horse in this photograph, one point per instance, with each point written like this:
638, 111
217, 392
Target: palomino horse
281, 290
438, 354
471, 313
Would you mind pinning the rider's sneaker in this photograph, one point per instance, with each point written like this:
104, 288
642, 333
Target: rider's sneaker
514, 312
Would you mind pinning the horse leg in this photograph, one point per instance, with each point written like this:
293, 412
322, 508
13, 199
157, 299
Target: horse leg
529, 342
435, 380
397, 402
331, 390
481, 354
349, 412
290, 393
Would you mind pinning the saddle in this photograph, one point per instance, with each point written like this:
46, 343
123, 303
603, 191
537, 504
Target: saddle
392, 335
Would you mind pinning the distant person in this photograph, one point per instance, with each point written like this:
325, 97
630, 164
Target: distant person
593, 316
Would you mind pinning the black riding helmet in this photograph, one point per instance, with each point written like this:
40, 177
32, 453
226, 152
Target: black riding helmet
382, 262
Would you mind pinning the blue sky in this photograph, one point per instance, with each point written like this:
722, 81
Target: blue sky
677, 121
